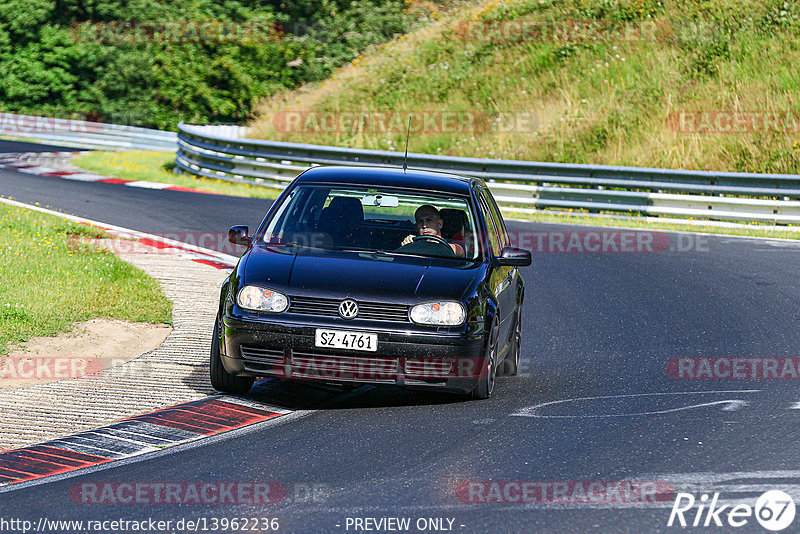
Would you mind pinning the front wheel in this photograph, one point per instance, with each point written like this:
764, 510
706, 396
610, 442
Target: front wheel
221, 380
486, 378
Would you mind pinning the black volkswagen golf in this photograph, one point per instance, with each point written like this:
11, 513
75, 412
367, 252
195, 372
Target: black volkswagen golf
374, 275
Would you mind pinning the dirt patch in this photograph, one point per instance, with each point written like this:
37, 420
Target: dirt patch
85, 351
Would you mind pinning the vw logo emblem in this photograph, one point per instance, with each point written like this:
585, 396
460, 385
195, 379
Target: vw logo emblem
348, 309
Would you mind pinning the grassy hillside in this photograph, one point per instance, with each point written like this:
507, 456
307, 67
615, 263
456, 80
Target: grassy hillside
595, 100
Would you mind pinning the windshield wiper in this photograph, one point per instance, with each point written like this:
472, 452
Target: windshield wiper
353, 249
295, 244
370, 251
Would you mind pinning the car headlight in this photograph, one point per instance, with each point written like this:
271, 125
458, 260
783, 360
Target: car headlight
261, 299
439, 313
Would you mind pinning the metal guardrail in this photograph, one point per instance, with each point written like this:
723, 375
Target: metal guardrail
517, 185
86, 134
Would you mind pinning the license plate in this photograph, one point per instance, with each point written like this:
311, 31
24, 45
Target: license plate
341, 339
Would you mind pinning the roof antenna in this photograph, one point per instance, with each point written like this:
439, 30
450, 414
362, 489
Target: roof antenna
408, 132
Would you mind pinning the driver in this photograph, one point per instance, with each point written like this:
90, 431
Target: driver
430, 223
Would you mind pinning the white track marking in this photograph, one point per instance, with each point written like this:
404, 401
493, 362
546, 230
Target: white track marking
730, 404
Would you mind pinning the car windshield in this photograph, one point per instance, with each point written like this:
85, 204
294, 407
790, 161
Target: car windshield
368, 219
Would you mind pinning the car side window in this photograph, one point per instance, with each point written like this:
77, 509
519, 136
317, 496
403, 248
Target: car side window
499, 224
491, 228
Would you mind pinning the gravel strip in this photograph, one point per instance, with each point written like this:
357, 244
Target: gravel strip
175, 372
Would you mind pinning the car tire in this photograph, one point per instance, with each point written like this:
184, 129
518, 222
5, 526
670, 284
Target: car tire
510, 364
221, 380
486, 378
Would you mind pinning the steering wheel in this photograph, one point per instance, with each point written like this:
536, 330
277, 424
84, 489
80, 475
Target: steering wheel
428, 245
433, 239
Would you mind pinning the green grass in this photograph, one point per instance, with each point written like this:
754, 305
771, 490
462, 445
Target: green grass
158, 167
603, 101
51, 276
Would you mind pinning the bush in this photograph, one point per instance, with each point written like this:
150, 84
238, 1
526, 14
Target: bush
50, 64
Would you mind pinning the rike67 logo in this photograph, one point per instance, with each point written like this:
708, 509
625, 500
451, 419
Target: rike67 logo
774, 510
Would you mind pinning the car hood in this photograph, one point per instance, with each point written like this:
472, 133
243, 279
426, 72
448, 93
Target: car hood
367, 276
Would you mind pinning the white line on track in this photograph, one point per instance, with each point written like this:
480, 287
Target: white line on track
730, 405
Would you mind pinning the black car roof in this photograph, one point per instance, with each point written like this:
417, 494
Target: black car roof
389, 177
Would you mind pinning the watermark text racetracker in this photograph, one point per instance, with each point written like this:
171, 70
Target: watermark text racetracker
587, 31
562, 31
44, 368
600, 241
574, 492
175, 31
197, 492
55, 122
13, 368
65, 121
734, 122
734, 368
420, 121
608, 241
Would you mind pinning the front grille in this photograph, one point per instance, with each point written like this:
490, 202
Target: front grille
336, 367
376, 311
261, 360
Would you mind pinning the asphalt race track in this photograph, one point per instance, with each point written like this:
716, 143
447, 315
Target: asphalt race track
23, 146
594, 401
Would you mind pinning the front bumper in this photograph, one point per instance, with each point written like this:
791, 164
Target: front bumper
418, 359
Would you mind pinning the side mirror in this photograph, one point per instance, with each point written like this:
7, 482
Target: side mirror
238, 236
515, 257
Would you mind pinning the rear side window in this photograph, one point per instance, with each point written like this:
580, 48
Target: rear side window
491, 228
497, 220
